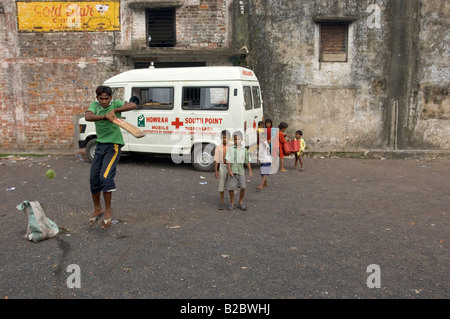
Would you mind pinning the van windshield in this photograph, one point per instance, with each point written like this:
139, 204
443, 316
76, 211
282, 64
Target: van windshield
205, 98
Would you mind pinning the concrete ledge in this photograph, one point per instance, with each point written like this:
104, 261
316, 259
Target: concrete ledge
380, 154
374, 154
40, 152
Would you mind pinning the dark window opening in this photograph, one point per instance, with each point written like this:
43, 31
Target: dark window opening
248, 98
161, 27
158, 65
153, 98
333, 42
205, 98
256, 97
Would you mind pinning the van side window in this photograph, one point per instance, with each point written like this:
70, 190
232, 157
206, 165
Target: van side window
248, 98
153, 98
205, 98
256, 96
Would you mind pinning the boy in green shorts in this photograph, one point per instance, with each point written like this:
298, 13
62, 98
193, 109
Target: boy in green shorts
236, 157
107, 153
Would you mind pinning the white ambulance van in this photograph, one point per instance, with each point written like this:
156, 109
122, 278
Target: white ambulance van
182, 111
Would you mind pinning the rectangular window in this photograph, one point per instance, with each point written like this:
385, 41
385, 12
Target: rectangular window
256, 97
205, 98
160, 27
156, 98
248, 98
333, 42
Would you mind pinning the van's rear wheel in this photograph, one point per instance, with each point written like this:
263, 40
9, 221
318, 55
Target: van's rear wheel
203, 157
90, 149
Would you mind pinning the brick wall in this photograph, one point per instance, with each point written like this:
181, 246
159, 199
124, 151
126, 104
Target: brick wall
46, 79
200, 24
48, 83
210, 28
333, 38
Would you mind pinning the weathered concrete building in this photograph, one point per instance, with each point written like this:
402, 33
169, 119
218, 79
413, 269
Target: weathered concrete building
359, 74
386, 86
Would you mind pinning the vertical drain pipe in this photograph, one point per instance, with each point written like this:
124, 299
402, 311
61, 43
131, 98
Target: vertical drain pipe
396, 125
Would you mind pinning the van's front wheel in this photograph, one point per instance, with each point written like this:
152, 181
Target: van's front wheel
203, 157
90, 149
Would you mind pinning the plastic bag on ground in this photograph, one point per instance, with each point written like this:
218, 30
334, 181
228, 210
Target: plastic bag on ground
39, 226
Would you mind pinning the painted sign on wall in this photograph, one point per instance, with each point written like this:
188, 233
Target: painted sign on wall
54, 16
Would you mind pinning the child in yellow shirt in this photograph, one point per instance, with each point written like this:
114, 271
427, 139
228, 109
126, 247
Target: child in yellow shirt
298, 155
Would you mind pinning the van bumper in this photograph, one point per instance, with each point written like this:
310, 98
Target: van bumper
82, 144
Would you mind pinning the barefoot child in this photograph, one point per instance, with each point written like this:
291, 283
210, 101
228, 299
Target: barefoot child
283, 126
235, 159
258, 131
107, 153
260, 127
268, 125
265, 158
220, 167
298, 155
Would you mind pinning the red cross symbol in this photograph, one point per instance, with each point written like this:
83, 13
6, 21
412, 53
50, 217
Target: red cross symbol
177, 123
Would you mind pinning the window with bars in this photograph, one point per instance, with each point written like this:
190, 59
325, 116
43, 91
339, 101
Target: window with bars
153, 98
205, 98
333, 42
161, 27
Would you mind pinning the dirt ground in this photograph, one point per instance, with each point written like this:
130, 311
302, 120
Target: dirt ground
310, 234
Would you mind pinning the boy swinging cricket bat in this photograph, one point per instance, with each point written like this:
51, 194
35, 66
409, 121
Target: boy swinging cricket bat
107, 153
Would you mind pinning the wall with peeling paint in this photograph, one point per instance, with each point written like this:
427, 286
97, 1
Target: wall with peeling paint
48, 77
429, 104
392, 93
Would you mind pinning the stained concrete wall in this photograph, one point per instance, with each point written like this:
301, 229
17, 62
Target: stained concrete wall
48, 78
392, 92
429, 104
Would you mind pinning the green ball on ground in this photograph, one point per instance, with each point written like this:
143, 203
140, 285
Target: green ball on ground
50, 173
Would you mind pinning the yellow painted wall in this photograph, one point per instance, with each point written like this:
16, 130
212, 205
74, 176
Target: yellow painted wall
68, 16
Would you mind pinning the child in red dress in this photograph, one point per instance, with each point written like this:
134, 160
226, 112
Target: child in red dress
283, 126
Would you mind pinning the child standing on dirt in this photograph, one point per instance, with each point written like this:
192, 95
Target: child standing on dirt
282, 126
299, 154
107, 153
265, 158
260, 127
268, 125
235, 158
220, 166
259, 131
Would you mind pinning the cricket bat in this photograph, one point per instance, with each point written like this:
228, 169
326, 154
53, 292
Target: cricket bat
128, 127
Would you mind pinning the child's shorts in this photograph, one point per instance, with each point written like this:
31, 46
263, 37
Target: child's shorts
223, 175
265, 168
236, 181
103, 167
